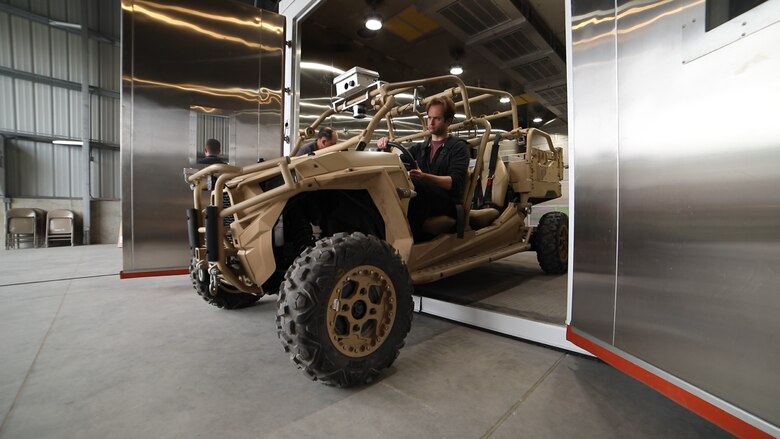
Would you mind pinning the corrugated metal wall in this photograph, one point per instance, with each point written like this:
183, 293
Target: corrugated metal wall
40, 96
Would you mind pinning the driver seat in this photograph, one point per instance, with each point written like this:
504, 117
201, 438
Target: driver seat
478, 218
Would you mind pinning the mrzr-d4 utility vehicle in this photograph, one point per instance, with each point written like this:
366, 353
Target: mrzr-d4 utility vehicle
328, 231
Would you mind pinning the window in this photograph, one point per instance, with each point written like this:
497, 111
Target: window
212, 126
714, 24
721, 11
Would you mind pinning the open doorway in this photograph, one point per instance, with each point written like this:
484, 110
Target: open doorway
513, 46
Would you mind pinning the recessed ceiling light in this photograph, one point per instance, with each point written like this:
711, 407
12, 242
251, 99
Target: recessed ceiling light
456, 69
504, 99
537, 119
374, 22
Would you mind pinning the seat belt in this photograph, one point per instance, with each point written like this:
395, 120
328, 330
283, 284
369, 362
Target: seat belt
477, 202
487, 199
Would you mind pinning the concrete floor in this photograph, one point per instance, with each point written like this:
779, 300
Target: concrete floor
87, 355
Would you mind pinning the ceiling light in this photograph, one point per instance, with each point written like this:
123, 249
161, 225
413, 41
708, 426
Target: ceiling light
456, 69
504, 99
374, 22
537, 119
64, 25
66, 142
307, 65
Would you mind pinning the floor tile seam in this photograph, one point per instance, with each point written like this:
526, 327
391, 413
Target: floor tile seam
32, 364
523, 398
91, 276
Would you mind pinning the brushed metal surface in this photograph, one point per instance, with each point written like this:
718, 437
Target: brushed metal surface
698, 209
216, 59
593, 142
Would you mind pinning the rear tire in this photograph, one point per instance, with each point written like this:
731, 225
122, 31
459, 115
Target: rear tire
551, 242
224, 298
345, 308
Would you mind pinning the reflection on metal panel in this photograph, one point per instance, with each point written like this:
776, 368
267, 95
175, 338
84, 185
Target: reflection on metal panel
221, 58
270, 134
595, 156
698, 212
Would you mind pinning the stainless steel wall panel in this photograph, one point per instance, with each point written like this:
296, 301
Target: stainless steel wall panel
7, 118
40, 49
6, 56
270, 139
700, 226
60, 59
21, 44
163, 84
698, 215
43, 109
595, 155
24, 105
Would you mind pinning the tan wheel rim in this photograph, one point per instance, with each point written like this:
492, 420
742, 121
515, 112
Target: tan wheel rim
361, 311
563, 244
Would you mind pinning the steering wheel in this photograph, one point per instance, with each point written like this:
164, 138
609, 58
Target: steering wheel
406, 157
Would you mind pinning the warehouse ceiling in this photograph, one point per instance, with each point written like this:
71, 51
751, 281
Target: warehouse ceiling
515, 45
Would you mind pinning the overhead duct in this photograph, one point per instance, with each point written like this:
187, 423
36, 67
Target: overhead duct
504, 36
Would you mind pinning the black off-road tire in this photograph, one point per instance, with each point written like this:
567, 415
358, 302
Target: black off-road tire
551, 242
224, 298
345, 308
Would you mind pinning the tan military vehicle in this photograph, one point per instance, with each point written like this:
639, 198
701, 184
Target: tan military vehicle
328, 231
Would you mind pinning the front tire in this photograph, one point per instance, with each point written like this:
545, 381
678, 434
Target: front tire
551, 242
345, 308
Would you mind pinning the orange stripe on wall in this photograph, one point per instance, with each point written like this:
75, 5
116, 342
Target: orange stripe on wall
706, 410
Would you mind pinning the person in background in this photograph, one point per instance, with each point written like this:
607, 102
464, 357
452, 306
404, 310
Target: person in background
326, 137
211, 150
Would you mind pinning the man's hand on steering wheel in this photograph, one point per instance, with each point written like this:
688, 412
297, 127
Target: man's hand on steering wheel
383, 144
